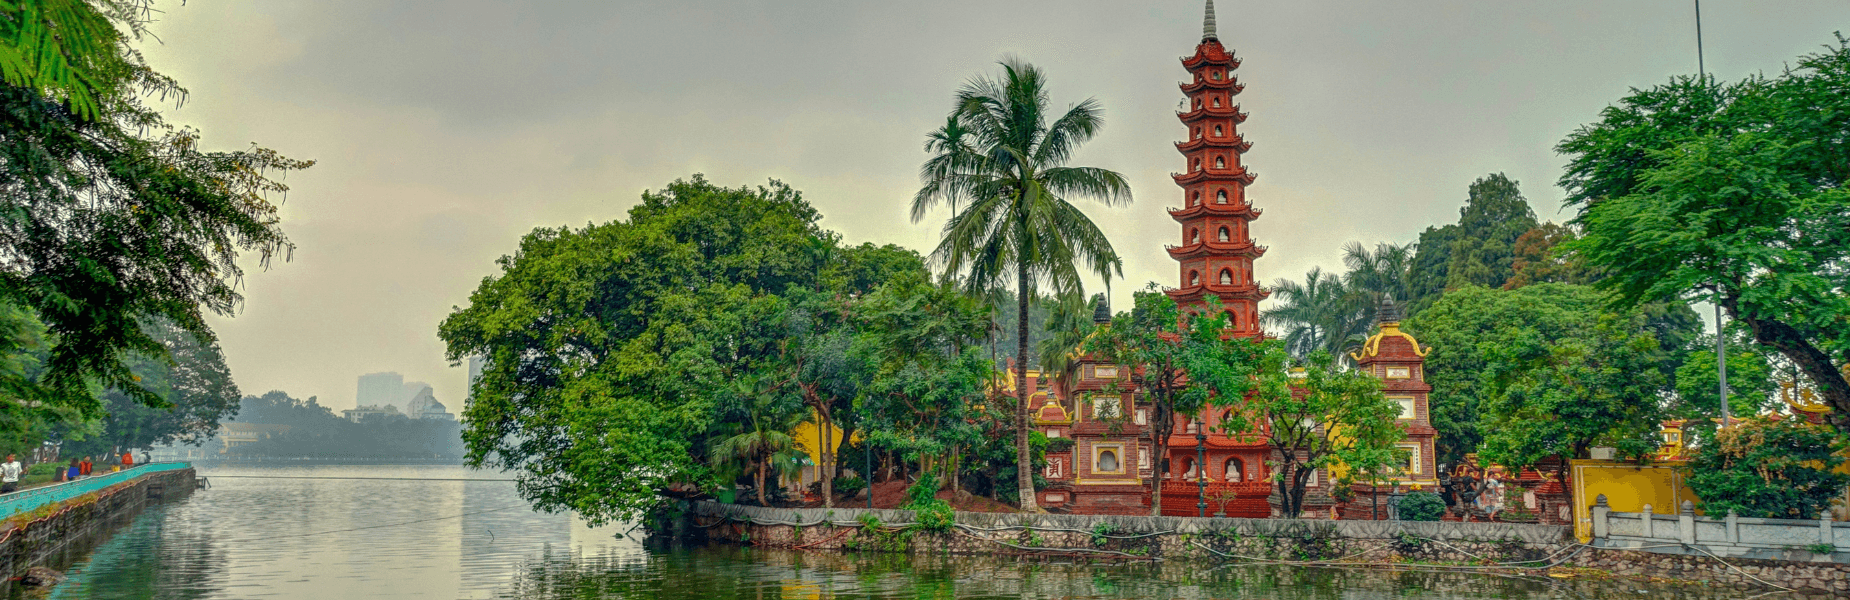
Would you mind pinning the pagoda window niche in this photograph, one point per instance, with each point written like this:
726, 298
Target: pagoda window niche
1194, 278
1106, 459
1188, 468
1198, 103
1194, 199
1197, 133
1220, 197
1217, 102
1225, 236
1226, 276
1194, 236
1220, 162
1235, 470
1216, 75
1217, 131
1194, 164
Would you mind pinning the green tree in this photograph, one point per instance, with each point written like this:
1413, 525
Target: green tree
1321, 314
1385, 273
1155, 341
193, 381
763, 446
609, 348
1750, 385
923, 395
1732, 193
1479, 249
1485, 340
1784, 469
1562, 395
1540, 258
1001, 165
1315, 414
111, 215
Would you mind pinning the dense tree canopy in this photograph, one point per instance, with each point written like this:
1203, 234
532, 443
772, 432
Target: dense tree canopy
1733, 193
109, 216
193, 381
1785, 469
1477, 250
1155, 339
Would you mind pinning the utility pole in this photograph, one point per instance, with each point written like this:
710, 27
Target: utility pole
1721, 339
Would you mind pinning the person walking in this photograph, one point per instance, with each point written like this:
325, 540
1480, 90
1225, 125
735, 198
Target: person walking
9, 474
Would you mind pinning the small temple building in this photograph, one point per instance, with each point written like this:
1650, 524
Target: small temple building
1399, 361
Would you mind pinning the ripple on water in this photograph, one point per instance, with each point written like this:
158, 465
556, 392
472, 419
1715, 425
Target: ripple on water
330, 538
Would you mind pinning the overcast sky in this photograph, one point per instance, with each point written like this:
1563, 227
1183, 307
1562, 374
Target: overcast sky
446, 130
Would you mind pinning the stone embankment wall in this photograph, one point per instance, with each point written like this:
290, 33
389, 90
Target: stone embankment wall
38, 540
1499, 546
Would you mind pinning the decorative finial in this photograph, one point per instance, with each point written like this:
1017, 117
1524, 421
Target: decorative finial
1388, 312
1101, 313
1207, 25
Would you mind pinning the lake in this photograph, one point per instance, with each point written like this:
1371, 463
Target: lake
320, 532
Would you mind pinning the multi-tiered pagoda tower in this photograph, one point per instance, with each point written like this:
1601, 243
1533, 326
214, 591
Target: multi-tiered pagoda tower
1217, 250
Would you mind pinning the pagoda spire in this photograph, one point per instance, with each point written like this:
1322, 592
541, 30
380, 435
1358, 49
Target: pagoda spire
1207, 25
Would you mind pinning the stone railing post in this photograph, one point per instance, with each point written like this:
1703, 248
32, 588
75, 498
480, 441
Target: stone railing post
1734, 527
1686, 523
1649, 531
1600, 510
1825, 534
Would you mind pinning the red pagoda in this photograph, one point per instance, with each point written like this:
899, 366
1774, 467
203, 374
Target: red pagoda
1217, 252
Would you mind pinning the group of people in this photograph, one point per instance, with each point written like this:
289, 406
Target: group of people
78, 468
1471, 490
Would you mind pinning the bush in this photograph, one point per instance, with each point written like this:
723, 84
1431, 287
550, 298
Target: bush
935, 515
1768, 469
1422, 506
850, 485
922, 492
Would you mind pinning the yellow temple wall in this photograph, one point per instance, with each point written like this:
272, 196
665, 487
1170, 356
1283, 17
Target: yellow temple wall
1628, 487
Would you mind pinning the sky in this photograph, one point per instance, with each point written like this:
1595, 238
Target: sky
445, 131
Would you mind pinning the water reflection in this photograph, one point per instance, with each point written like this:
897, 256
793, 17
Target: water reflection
335, 538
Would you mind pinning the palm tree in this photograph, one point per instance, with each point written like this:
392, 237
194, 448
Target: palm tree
764, 447
1385, 273
1001, 165
1320, 314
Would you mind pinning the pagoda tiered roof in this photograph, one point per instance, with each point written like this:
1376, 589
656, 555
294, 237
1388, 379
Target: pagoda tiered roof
1210, 52
1205, 112
1194, 294
1219, 210
1238, 143
1237, 174
1207, 248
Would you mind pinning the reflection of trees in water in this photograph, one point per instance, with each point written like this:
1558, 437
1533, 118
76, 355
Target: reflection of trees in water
140, 553
727, 573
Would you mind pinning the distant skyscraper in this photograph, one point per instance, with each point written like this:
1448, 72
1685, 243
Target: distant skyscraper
476, 364
380, 389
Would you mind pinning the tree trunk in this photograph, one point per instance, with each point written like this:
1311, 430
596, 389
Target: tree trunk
758, 478
1816, 365
1162, 423
1024, 458
826, 470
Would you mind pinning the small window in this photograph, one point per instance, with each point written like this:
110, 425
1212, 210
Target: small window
1188, 468
1407, 406
1194, 199
1194, 164
1220, 162
1399, 372
1143, 457
1216, 75
1220, 197
1226, 277
1107, 462
1194, 236
1143, 418
1105, 407
1197, 133
1217, 132
1224, 235
1235, 471
1198, 103
1194, 278
1217, 102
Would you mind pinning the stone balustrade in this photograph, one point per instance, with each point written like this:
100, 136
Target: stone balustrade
1683, 532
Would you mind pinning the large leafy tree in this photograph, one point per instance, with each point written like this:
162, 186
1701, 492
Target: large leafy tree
194, 382
1785, 469
1544, 370
1158, 344
608, 347
1315, 413
1477, 250
109, 216
925, 385
1001, 163
1734, 193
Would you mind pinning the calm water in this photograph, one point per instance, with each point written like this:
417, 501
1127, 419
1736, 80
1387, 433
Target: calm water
331, 538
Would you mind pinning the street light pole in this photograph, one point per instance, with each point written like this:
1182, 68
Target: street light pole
869, 446
1201, 470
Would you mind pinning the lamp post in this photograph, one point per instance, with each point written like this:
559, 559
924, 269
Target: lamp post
1201, 470
868, 445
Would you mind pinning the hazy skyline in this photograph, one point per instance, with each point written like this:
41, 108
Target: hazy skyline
447, 130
